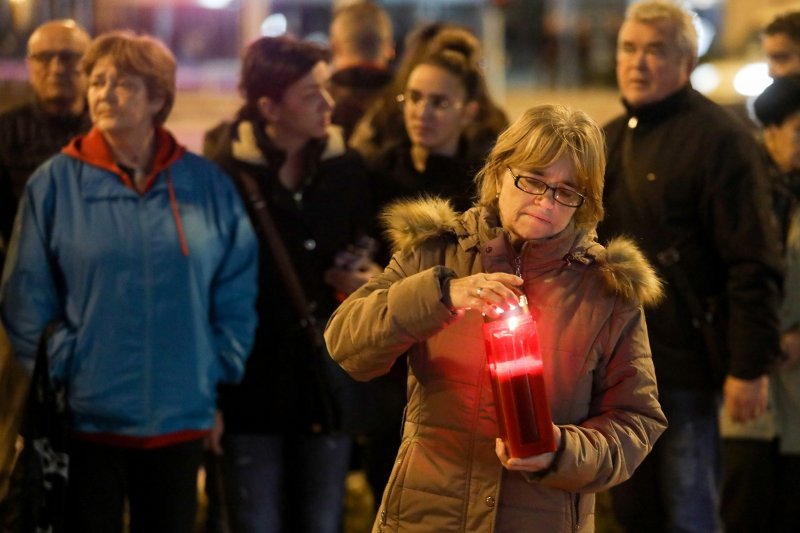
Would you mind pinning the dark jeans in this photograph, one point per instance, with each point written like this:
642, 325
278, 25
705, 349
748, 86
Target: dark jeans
749, 483
160, 486
761, 487
788, 479
676, 488
292, 483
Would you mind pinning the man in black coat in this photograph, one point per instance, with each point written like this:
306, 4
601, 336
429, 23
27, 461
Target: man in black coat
33, 132
686, 180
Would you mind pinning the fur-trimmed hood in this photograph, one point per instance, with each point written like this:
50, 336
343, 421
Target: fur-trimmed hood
239, 141
624, 268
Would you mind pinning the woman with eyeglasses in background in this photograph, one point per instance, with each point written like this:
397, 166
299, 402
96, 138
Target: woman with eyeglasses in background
382, 125
532, 232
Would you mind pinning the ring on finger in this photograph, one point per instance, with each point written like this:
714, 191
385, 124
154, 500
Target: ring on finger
479, 291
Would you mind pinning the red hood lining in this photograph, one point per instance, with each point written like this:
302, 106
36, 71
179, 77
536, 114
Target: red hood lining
93, 149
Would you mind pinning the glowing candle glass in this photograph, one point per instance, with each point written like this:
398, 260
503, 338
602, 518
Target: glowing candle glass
515, 365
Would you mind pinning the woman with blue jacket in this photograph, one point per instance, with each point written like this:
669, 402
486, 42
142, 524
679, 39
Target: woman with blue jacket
144, 255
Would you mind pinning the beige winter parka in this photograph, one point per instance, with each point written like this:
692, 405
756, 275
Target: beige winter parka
598, 372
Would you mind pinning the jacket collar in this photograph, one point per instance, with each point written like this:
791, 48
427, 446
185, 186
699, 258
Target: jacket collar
250, 144
625, 270
94, 150
362, 76
664, 108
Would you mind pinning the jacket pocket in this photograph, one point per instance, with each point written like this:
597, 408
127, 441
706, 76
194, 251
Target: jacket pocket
390, 507
576, 511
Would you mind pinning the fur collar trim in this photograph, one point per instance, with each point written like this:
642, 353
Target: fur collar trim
245, 148
624, 268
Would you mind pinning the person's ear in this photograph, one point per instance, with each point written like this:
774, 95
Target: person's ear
268, 108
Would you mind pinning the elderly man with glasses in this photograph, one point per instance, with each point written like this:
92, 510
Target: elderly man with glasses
33, 132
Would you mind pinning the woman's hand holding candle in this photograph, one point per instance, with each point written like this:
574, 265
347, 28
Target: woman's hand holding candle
485, 292
533, 463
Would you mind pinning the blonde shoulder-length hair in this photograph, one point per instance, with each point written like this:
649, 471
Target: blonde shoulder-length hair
540, 137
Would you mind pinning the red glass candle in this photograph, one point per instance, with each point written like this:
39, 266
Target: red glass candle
515, 365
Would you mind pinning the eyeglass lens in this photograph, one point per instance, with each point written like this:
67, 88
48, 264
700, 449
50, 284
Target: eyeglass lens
535, 186
63, 56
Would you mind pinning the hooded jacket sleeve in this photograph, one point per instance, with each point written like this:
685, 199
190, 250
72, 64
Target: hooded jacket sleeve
234, 289
625, 418
387, 315
30, 296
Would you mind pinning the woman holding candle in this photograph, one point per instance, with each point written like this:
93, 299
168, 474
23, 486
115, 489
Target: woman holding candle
531, 233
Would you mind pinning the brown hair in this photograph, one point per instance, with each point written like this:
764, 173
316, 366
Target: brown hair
271, 65
140, 55
540, 137
458, 56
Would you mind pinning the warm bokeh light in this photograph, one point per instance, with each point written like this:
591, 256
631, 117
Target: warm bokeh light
752, 79
705, 78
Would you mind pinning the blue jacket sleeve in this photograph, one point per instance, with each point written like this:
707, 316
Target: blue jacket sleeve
234, 290
30, 297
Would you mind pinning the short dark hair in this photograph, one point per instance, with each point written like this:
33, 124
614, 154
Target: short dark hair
787, 24
270, 65
778, 101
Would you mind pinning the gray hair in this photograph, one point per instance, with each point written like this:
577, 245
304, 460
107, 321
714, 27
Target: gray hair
675, 15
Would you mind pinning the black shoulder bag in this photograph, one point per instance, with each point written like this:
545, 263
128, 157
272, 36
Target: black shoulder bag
37, 498
706, 318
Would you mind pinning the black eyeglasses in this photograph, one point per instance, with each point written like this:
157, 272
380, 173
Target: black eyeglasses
68, 57
562, 195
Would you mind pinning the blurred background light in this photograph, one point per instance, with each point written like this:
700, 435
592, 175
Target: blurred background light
274, 25
214, 4
705, 35
752, 79
706, 78
704, 4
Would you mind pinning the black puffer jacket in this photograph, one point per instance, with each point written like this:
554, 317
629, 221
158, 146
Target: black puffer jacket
330, 210
704, 184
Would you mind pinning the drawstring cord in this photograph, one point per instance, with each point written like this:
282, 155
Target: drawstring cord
177, 216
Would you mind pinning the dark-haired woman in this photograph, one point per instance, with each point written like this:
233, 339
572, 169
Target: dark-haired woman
382, 126
439, 102
289, 475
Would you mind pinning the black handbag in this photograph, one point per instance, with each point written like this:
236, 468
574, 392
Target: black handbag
37, 497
